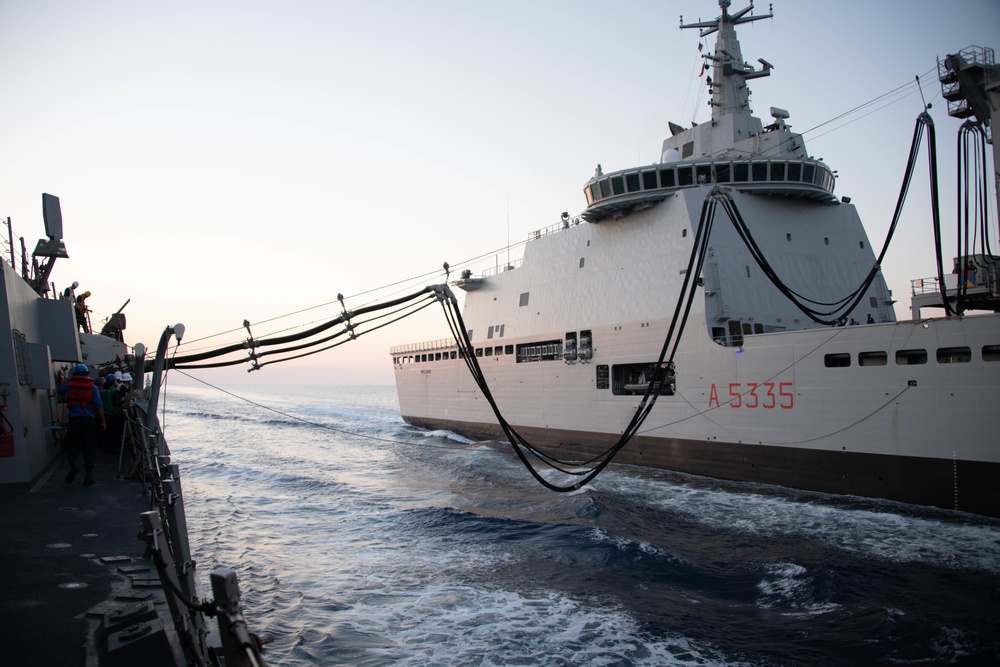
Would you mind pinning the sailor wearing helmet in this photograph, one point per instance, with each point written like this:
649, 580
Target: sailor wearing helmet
79, 405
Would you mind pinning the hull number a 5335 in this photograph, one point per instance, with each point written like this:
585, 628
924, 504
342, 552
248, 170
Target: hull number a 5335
767, 395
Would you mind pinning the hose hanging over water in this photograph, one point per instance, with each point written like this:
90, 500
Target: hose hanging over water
355, 323
973, 233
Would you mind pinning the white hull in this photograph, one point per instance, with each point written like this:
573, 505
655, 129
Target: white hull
780, 409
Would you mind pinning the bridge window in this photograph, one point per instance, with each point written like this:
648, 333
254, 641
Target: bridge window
759, 171
617, 185
684, 176
704, 173
605, 189
741, 172
777, 171
722, 173
666, 178
632, 182
807, 173
794, 171
649, 180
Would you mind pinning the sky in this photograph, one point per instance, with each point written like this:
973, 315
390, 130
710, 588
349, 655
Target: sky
226, 161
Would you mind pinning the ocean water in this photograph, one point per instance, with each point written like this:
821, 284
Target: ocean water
360, 540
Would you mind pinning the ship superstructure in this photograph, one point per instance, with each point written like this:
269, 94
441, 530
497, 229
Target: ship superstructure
836, 397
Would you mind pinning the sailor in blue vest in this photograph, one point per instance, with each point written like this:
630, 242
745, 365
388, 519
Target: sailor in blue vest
79, 405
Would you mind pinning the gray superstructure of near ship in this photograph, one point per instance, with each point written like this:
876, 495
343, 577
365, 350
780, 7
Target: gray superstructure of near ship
132, 626
759, 388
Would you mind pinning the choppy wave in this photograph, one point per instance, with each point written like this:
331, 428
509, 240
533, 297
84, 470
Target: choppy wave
380, 544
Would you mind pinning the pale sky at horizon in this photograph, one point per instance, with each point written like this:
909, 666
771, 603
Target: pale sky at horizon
222, 161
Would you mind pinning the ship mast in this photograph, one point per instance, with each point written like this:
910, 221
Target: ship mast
730, 94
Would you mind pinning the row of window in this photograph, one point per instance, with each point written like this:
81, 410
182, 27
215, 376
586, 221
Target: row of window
498, 351
944, 355
634, 374
758, 171
574, 348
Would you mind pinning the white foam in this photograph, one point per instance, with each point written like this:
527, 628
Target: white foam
787, 588
456, 625
948, 541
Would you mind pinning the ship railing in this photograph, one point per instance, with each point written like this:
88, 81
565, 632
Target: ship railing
508, 265
8, 252
977, 277
7, 243
925, 286
565, 223
165, 530
504, 265
439, 344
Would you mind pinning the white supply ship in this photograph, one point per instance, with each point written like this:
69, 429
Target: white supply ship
767, 378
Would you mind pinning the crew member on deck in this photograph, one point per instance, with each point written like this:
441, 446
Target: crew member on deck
79, 405
81, 312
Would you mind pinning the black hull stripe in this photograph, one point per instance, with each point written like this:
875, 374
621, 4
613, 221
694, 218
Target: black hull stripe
969, 486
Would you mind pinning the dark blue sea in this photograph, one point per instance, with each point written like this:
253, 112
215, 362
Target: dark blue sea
360, 540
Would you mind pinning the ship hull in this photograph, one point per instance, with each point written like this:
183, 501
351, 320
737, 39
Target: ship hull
910, 428
951, 484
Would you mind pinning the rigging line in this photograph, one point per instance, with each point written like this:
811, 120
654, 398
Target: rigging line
242, 360
270, 337
262, 342
900, 94
316, 424
397, 283
349, 327
874, 100
854, 120
356, 335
